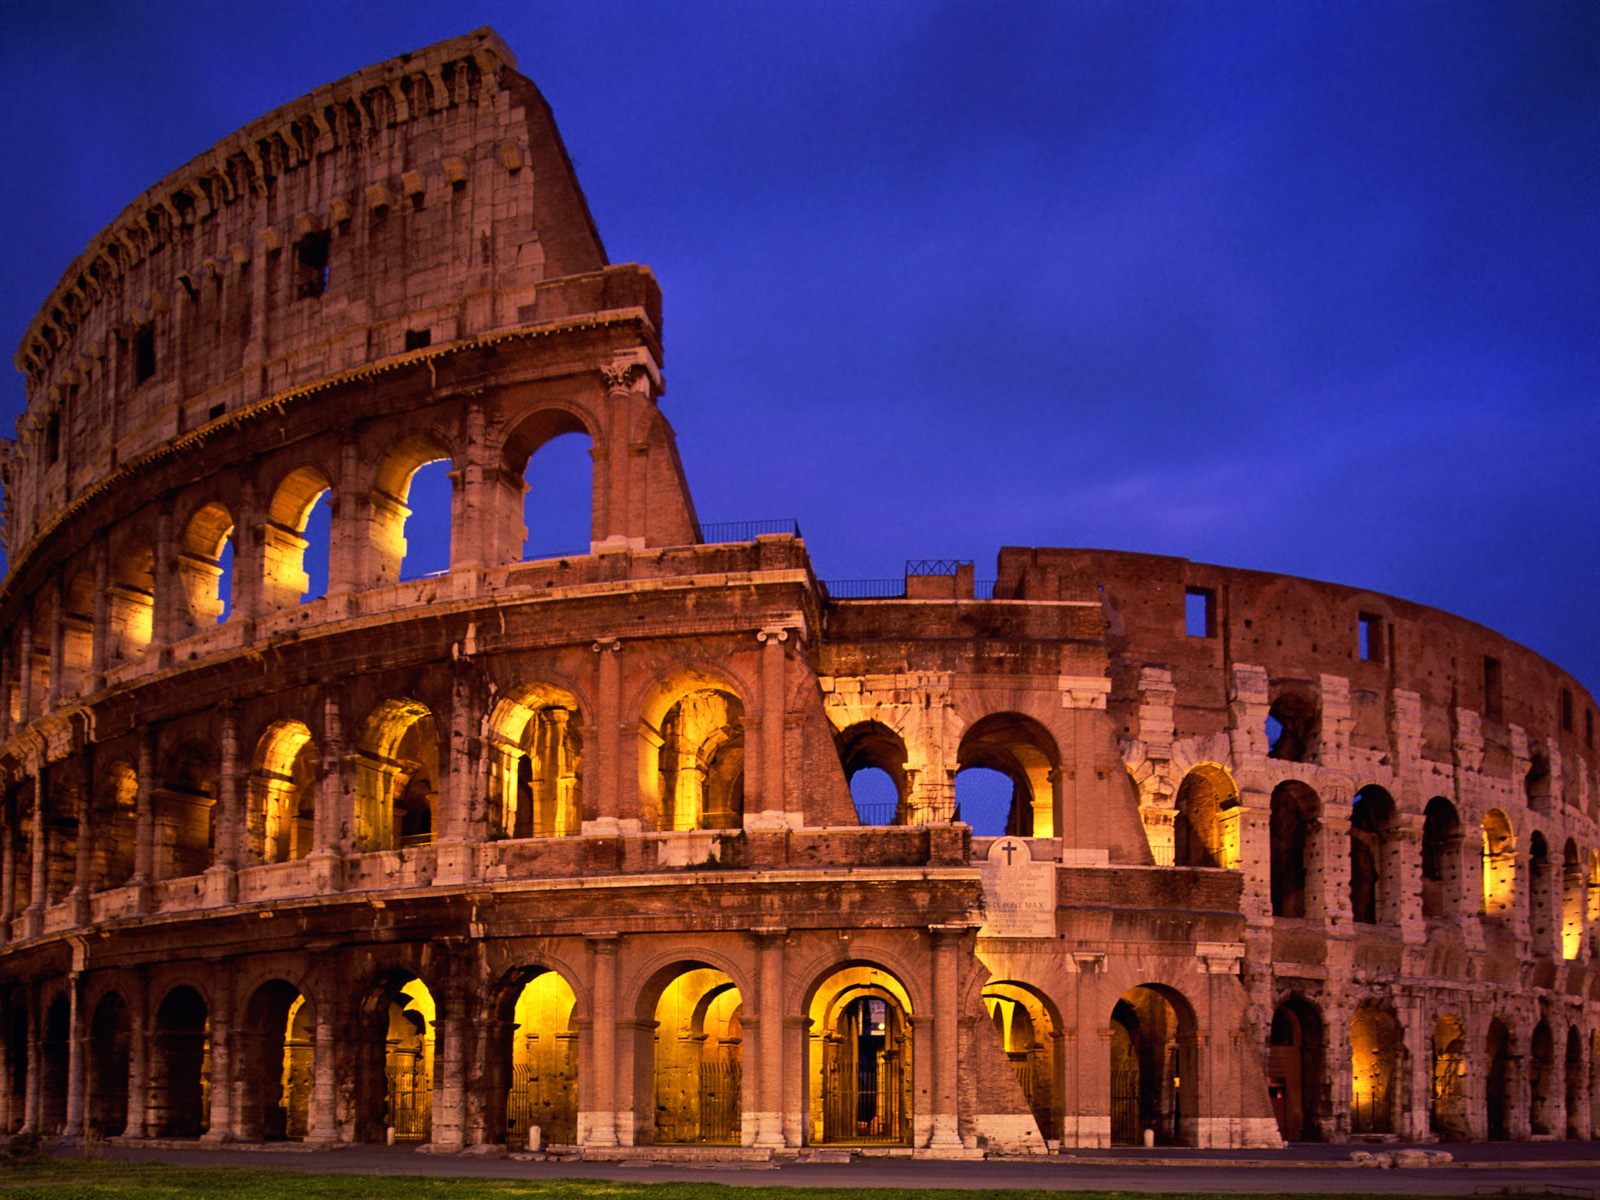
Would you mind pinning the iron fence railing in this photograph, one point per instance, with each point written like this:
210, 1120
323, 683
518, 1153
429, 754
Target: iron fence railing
936, 566
865, 589
747, 531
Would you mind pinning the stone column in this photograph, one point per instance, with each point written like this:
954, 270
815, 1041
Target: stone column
332, 834
611, 518
222, 880
220, 1127
5, 713
1406, 863
58, 633
1254, 817
945, 940
33, 1099
25, 669
77, 1059
772, 800
598, 1118
769, 1111
83, 868
166, 579
605, 804
38, 897
348, 526
8, 877
1333, 854
461, 824
449, 1063
100, 635
138, 1055
322, 1124
144, 847
248, 561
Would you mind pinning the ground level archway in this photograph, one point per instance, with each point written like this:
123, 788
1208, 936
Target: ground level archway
1153, 1068
860, 1060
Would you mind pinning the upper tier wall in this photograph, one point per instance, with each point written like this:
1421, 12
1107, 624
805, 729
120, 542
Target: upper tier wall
418, 201
1300, 630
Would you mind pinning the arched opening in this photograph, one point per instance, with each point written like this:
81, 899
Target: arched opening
53, 1054
204, 566
109, 1042
1499, 864
16, 1081
1447, 1111
536, 764
697, 1051
1541, 919
1572, 901
1154, 1076
20, 816
1293, 725
394, 1073
115, 824
1294, 1069
693, 740
1499, 1056
178, 1104
39, 663
294, 549
185, 806
61, 836
1372, 844
1441, 859
131, 601
1205, 828
1572, 1079
556, 508
1005, 777
77, 633
541, 1058
1377, 1054
274, 1064
859, 1059
874, 760
1537, 782
414, 478
1029, 1034
1541, 1080
283, 792
1295, 808
397, 777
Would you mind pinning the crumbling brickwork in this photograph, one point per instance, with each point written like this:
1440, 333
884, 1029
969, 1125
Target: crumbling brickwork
571, 850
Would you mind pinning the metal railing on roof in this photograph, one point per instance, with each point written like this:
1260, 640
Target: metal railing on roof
865, 589
747, 531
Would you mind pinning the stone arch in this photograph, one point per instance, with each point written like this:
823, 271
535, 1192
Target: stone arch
860, 1057
1294, 722
394, 1075
204, 560
536, 756
389, 499
282, 789
18, 1031
1377, 1066
1572, 901
1499, 858
1500, 1057
180, 1065
1295, 817
1542, 1087
1374, 882
110, 1046
1295, 1042
77, 632
1541, 915
397, 777
1021, 749
1030, 1034
131, 599
692, 752
185, 807
1206, 824
114, 824
284, 581
1448, 1099
537, 1043
524, 445
1155, 1082
691, 1032
273, 1064
53, 1058
1572, 1083
871, 746
1441, 859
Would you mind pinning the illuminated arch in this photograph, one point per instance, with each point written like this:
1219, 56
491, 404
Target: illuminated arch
201, 568
1499, 864
860, 1060
389, 499
397, 777
870, 746
1022, 750
1030, 1035
283, 550
1154, 1075
536, 763
691, 750
282, 794
1206, 825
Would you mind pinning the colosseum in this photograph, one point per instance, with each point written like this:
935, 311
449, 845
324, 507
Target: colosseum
580, 852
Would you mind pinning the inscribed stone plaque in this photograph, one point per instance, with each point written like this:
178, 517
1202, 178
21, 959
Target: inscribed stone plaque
1019, 895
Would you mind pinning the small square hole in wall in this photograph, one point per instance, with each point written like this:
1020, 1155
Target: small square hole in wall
144, 353
1369, 637
216, 411
1491, 687
416, 339
1200, 612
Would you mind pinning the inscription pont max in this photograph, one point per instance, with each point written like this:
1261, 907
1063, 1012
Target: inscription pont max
1019, 895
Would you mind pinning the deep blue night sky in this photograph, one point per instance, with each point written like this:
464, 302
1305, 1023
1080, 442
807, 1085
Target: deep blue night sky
1302, 287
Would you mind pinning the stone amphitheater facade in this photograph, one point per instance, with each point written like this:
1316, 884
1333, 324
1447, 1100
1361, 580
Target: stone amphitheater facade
565, 851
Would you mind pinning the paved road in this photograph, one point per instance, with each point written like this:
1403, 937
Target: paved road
1497, 1167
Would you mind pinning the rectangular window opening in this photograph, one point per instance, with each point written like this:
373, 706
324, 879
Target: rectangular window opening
52, 438
311, 265
1491, 687
1566, 710
417, 339
1588, 728
1200, 612
1369, 637
216, 411
144, 353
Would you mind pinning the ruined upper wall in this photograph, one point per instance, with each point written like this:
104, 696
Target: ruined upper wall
418, 201
1301, 631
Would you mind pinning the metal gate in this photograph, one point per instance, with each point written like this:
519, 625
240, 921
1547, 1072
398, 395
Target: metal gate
865, 1104
1125, 1107
720, 1089
410, 1096
546, 1098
